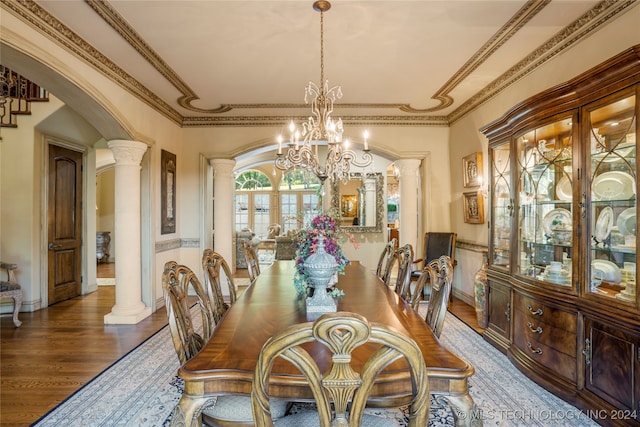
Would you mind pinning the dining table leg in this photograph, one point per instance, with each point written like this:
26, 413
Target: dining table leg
188, 411
465, 411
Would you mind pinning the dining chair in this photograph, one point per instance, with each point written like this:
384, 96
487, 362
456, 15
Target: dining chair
212, 262
435, 244
228, 410
441, 277
340, 393
383, 261
176, 281
253, 264
414, 293
398, 272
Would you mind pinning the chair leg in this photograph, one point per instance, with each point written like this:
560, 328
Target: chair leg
17, 303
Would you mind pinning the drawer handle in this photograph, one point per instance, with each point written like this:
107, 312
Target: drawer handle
536, 351
537, 330
538, 312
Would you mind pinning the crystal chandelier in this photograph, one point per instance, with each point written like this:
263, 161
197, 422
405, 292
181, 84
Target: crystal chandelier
302, 151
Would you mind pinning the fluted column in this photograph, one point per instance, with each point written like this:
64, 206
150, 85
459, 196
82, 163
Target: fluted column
129, 308
223, 189
409, 199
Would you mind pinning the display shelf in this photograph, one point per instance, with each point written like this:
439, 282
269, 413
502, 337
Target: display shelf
563, 196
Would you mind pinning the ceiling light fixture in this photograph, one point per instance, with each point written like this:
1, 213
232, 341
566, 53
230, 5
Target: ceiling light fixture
302, 151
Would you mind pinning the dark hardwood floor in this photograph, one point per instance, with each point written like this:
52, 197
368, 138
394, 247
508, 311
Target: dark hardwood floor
61, 348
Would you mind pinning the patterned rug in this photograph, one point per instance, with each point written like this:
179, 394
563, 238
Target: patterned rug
142, 388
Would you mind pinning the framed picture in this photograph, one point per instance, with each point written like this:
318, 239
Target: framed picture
349, 206
473, 207
472, 170
168, 192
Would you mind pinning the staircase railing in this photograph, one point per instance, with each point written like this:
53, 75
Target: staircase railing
16, 95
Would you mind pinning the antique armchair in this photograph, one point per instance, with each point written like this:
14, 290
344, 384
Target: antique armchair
285, 247
11, 289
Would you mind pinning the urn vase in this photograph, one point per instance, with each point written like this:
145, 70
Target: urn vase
320, 267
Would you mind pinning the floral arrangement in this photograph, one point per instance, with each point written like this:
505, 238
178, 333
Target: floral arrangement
307, 244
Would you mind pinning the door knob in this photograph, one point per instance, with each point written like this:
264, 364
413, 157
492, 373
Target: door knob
54, 246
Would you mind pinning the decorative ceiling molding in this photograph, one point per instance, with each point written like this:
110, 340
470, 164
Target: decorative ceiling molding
44, 22
524, 15
283, 121
577, 30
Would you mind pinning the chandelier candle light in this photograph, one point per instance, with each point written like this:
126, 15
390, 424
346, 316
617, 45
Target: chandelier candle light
302, 151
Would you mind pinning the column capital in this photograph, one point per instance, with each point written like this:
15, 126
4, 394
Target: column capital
408, 166
127, 152
222, 167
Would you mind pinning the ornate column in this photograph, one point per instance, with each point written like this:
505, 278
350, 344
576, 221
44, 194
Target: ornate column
129, 308
409, 201
223, 189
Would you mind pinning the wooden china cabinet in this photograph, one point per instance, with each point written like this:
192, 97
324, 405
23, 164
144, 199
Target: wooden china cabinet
562, 270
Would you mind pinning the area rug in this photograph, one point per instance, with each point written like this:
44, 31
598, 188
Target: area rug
142, 388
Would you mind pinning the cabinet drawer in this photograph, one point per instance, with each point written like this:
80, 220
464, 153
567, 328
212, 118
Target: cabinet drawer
540, 312
534, 329
559, 362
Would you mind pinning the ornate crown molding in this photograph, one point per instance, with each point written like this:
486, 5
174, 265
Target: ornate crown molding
45, 23
600, 14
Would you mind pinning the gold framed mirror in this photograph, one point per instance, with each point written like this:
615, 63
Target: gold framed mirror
359, 202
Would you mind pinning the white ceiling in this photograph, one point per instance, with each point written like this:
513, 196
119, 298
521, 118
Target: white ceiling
212, 62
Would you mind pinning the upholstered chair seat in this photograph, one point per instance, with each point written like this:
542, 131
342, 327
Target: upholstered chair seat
11, 289
235, 410
312, 419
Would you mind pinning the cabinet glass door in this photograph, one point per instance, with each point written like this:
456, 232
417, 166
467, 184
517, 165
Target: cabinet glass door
545, 202
501, 206
613, 179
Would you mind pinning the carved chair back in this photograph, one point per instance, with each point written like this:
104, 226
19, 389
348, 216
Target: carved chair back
385, 256
341, 333
253, 264
213, 264
440, 273
176, 280
400, 263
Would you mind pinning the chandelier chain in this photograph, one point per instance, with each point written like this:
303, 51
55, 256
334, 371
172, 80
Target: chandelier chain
322, 48
320, 129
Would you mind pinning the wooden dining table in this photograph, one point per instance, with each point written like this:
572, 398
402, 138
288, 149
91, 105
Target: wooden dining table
226, 363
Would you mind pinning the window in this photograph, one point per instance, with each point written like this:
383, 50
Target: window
298, 196
253, 202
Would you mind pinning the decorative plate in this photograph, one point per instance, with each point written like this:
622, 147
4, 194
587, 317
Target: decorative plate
564, 190
557, 220
614, 185
606, 270
603, 224
627, 223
